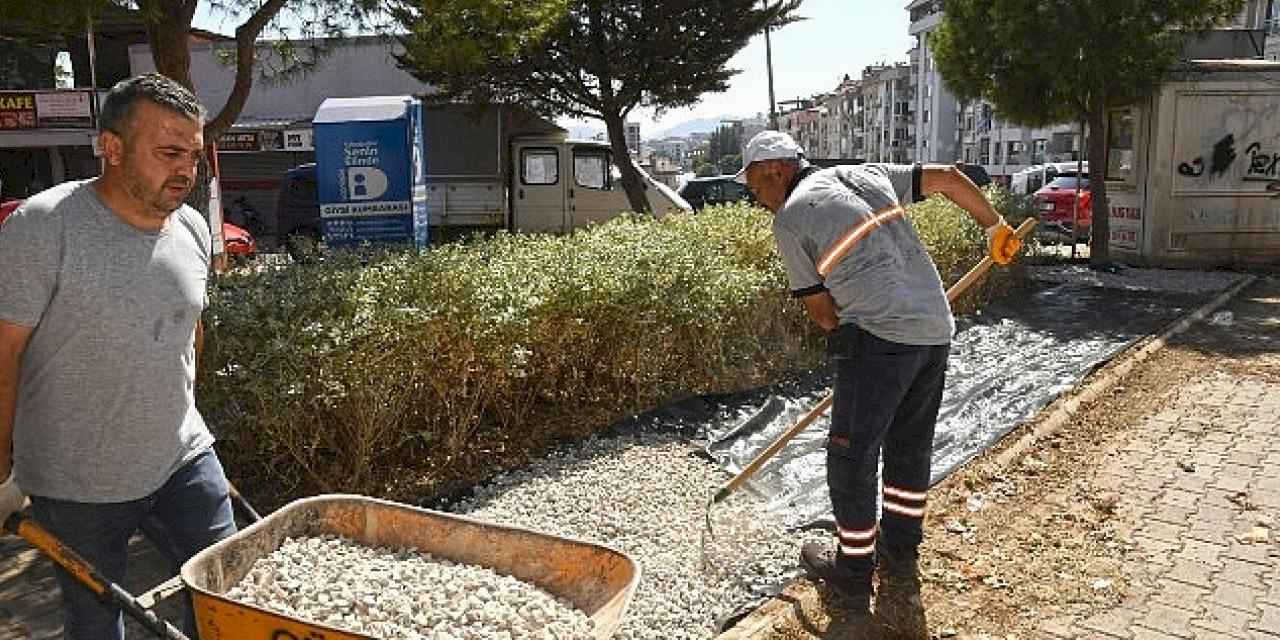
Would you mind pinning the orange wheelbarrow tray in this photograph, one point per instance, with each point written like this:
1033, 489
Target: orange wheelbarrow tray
598, 580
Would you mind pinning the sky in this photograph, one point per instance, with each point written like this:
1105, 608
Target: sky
838, 37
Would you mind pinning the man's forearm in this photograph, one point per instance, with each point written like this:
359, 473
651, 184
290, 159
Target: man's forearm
8, 402
822, 310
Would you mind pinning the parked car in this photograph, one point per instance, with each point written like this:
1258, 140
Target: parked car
1055, 206
7, 208
238, 242
702, 192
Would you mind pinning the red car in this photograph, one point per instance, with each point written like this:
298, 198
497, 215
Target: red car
238, 242
7, 208
1054, 206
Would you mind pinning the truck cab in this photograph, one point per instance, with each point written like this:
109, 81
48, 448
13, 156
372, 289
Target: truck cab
559, 185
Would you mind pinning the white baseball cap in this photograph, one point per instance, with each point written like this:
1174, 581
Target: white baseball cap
768, 145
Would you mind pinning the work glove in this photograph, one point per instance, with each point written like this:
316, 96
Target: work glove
1002, 243
12, 499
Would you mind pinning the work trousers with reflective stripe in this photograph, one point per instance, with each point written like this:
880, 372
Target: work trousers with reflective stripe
886, 400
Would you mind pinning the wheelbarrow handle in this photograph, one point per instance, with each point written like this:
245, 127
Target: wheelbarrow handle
954, 292
84, 573
238, 501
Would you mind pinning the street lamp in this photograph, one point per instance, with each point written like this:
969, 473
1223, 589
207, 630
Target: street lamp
768, 59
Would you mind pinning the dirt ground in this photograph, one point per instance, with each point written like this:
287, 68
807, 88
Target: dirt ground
1006, 549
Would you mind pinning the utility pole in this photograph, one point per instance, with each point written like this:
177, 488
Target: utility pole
768, 61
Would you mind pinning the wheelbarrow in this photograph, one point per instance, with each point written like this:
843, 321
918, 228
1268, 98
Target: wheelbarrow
596, 579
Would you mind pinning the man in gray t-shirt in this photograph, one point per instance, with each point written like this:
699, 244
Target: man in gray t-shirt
854, 260
104, 283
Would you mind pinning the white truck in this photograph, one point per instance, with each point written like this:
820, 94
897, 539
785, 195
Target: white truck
496, 167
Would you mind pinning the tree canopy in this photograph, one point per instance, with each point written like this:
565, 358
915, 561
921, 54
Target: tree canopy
596, 59
1044, 62
168, 26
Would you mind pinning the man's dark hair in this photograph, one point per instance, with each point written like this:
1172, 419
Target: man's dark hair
117, 106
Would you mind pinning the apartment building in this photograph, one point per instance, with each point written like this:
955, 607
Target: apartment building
799, 119
1271, 50
632, 132
888, 98
948, 131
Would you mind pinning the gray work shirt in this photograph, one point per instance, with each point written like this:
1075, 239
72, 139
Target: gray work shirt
850, 220
106, 407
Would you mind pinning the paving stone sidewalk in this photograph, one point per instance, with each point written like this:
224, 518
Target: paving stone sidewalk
1199, 482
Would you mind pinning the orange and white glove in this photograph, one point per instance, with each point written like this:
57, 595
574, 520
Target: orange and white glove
1002, 243
12, 499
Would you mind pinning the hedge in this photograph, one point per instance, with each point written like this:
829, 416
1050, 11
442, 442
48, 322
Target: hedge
409, 375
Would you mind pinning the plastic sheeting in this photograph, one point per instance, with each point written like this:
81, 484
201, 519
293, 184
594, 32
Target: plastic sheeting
1006, 365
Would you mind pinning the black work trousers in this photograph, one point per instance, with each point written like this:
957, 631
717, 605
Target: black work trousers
886, 400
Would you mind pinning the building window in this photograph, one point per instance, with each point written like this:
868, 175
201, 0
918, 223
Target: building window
1039, 151
1120, 144
1014, 152
539, 166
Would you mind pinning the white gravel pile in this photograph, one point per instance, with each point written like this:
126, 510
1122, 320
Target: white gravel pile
403, 594
1132, 279
645, 495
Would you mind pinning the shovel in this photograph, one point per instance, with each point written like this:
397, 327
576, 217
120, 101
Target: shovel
737, 481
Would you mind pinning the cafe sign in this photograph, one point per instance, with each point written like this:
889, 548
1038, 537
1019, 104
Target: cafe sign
22, 110
17, 111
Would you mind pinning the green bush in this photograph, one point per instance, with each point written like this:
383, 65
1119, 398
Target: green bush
405, 375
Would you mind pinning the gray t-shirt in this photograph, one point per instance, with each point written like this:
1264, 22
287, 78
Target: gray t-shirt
106, 407
843, 230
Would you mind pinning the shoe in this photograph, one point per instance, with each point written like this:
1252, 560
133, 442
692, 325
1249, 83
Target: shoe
819, 561
898, 605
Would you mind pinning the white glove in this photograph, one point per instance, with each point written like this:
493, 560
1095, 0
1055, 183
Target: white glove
12, 499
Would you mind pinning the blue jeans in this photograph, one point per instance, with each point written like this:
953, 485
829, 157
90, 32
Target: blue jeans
887, 397
190, 512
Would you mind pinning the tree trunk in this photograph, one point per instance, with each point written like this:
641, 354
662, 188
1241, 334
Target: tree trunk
168, 25
632, 182
1100, 231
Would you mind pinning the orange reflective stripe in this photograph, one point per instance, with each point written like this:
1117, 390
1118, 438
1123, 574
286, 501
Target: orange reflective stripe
846, 244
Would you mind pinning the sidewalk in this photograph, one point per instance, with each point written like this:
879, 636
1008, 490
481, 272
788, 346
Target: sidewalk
1199, 483
1150, 515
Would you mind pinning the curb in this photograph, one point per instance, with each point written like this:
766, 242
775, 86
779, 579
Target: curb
760, 623
1071, 405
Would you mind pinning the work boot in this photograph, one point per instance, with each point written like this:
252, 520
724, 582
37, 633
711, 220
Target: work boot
819, 561
898, 604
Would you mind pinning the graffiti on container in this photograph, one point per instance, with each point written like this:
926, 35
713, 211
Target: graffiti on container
1262, 166
1224, 155
1193, 169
